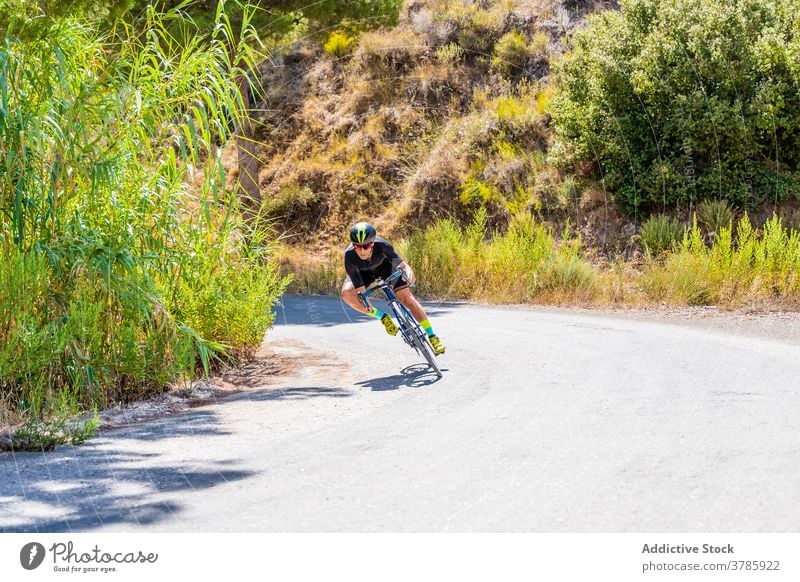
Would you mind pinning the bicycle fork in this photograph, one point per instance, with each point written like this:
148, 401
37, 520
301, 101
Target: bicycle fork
397, 307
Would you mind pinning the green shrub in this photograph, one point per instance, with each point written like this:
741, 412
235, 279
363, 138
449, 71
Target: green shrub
116, 277
684, 101
358, 14
450, 53
475, 190
61, 428
477, 29
539, 45
290, 201
511, 54
714, 215
660, 233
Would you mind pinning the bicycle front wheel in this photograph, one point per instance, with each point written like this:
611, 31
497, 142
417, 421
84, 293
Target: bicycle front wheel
418, 337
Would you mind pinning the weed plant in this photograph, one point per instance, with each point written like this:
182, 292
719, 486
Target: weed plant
511, 54
339, 44
754, 266
714, 215
660, 233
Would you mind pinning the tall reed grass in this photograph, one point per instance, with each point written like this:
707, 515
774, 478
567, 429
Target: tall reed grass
524, 264
116, 277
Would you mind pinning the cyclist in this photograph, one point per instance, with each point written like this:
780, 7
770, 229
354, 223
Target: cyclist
368, 257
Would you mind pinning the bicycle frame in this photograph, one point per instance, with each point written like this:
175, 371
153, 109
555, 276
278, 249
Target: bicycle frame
413, 334
396, 306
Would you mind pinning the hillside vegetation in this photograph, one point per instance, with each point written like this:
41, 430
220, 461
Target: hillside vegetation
606, 140
684, 101
441, 115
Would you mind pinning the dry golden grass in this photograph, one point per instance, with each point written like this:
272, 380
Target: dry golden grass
382, 54
409, 110
313, 273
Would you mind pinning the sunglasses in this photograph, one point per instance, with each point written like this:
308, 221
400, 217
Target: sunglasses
364, 247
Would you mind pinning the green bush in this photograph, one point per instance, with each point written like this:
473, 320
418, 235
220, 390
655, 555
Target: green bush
116, 277
478, 26
660, 233
511, 54
539, 45
685, 101
450, 53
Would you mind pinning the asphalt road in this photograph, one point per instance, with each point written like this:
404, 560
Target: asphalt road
543, 422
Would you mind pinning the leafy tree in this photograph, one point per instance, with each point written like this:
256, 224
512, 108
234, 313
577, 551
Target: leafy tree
681, 101
273, 19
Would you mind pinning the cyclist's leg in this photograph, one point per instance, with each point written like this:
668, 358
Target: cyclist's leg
407, 298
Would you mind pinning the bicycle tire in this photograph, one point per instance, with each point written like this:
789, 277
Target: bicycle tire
418, 336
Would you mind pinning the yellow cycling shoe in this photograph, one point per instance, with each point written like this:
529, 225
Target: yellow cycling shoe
390, 326
436, 344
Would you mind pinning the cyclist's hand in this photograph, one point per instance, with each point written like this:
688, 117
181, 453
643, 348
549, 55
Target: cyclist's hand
409, 275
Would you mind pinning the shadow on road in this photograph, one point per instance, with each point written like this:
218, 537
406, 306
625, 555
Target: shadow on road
416, 376
331, 311
192, 423
103, 484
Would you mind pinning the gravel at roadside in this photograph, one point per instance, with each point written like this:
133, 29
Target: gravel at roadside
781, 326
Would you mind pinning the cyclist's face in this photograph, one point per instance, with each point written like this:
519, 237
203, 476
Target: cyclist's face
364, 251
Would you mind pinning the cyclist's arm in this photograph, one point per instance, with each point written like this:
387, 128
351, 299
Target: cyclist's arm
353, 273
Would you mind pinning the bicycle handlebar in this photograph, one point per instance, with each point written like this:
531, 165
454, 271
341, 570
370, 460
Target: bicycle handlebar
378, 282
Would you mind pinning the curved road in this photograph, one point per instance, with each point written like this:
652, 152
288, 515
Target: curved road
543, 422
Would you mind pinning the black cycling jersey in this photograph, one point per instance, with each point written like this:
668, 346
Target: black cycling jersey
382, 263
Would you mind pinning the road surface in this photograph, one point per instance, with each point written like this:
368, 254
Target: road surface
543, 422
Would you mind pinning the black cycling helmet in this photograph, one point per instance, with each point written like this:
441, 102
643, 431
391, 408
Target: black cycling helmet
362, 233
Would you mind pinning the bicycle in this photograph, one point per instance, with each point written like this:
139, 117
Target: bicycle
412, 331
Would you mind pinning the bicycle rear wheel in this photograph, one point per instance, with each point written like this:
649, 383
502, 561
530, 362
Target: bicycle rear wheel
418, 337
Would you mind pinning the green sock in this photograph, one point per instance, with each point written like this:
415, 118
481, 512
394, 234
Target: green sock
377, 313
426, 325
